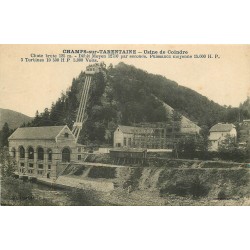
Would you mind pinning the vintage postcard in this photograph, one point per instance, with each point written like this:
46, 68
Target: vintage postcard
125, 125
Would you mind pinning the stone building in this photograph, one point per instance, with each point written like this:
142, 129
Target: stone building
43, 151
158, 135
219, 132
129, 136
153, 136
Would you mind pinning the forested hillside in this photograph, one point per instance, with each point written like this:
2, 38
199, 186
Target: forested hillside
9, 121
13, 118
126, 95
245, 107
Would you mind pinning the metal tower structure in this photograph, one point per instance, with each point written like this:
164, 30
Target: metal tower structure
80, 119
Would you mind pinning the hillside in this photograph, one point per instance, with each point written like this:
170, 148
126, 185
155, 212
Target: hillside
13, 118
167, 182
127, 95
245, 106
189, 103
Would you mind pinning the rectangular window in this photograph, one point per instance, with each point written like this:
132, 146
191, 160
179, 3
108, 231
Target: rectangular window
79, 150
31, 165
125, 141
49, 155
49, 167
40, 166
40, 172
129, 142
22, 164
30, 171
79, 157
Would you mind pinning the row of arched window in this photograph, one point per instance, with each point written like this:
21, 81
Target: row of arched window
41, 153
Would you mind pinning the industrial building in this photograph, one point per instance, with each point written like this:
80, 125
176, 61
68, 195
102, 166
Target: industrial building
46, 151
150, 136
40, 151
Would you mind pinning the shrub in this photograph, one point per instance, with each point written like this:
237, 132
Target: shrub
198, 189
186, 186
134, 178
13, 189
222, 195
83, 197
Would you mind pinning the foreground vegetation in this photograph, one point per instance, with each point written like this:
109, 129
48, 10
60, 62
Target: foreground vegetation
16, 192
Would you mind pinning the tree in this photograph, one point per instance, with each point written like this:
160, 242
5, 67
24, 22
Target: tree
229, 150
5, 134
203, 142
110, 67
187, 146
7, 163
227, 145
176, 121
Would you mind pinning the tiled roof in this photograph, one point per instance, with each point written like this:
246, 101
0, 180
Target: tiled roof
132, 130
222, 127
31, 133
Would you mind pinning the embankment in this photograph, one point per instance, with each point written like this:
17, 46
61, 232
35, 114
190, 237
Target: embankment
196, 179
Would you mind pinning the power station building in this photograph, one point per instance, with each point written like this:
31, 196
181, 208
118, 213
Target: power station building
43, 151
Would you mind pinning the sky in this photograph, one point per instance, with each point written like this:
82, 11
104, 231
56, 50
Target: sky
29, 86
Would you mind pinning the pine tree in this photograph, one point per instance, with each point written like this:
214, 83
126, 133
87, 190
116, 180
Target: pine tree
5, 134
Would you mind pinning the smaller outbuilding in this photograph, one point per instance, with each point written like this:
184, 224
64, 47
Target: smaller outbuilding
219, 132
129, 155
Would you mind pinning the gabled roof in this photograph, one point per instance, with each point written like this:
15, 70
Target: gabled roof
222, 127
132, 130
32, 133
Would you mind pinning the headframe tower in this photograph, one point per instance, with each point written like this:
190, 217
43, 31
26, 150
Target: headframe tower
81, 115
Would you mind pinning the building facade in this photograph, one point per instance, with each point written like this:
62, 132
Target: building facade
139, 137
157, 136
218, 133
43, 151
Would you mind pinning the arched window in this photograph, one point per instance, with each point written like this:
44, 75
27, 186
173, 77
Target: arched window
49, 154
13, 150
40, 154
31, 153
66, 155
22, 152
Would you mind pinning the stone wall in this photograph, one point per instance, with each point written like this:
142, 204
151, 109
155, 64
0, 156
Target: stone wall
41, 167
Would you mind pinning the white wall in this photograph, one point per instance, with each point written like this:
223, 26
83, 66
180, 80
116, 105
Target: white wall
118, 137
220, 137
